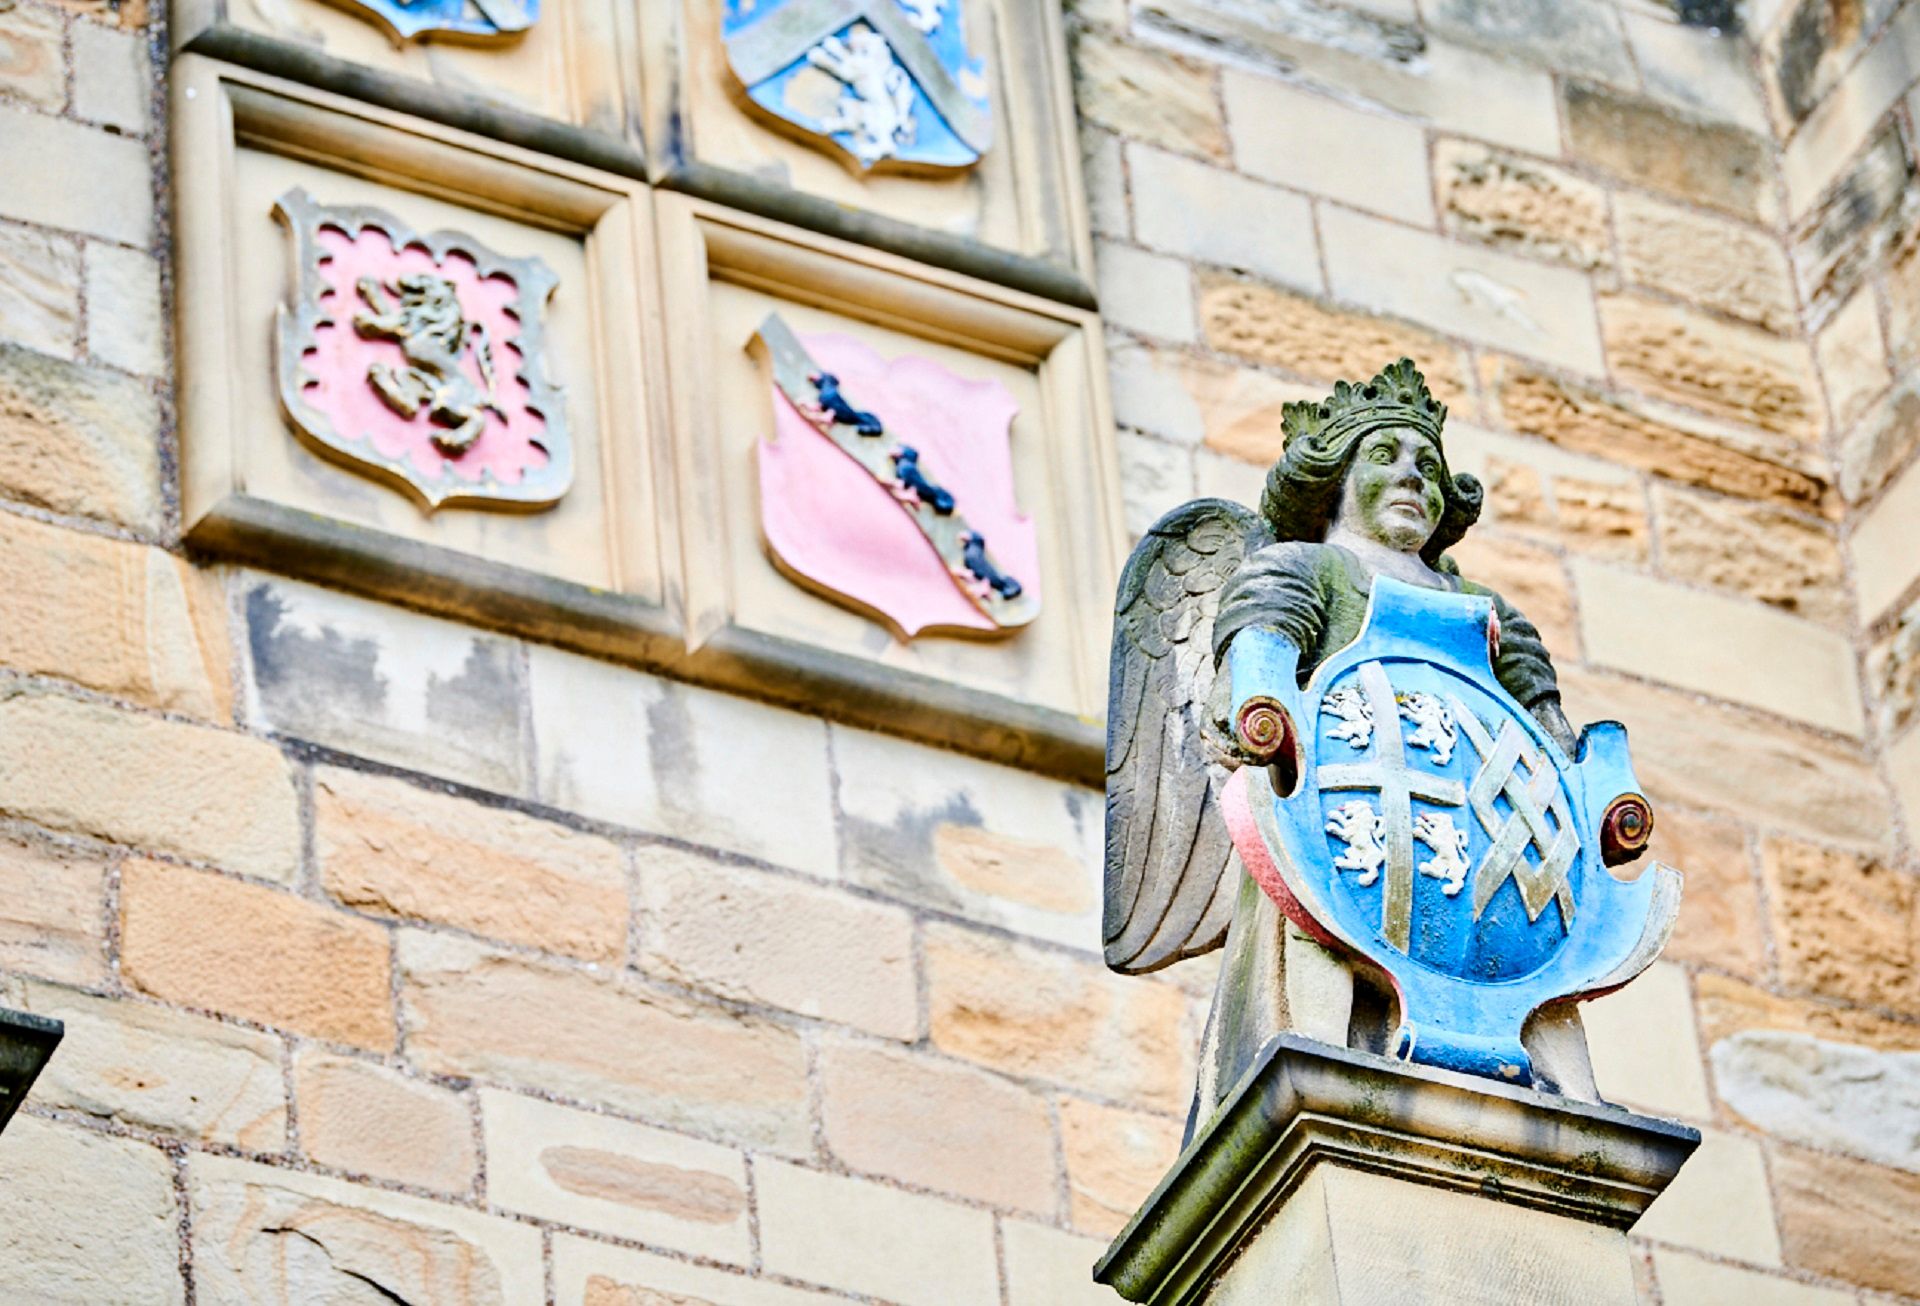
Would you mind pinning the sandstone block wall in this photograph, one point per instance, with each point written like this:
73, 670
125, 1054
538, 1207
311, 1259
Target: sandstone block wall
409, 960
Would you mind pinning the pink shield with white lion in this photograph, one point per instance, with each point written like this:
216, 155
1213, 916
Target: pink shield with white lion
888, 486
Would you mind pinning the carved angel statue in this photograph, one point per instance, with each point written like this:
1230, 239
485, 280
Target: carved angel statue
1362, 490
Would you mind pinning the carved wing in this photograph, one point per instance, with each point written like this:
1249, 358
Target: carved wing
1167, 896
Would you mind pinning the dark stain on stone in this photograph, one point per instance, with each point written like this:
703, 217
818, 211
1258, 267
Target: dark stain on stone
671, 750
306, 680
480, 707
898, 857
1816, 27
1854, 224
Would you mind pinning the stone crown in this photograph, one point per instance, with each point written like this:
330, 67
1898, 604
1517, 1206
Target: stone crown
1397, 396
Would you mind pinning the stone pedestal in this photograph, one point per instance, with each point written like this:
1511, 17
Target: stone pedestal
25, 1044
1335, 1176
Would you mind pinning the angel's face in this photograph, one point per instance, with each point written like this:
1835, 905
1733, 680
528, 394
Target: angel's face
1393, 489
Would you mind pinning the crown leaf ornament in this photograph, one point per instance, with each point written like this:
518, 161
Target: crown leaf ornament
1398, 396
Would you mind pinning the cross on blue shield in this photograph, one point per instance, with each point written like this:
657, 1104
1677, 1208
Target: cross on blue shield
1434, 830
881, 81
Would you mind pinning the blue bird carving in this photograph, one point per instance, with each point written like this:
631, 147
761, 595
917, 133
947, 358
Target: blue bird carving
973, 550
906, 470
828, 386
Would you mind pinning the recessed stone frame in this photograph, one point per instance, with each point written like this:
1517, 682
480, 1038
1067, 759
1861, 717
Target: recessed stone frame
1017, 216
1032, 697
598, 568
569, 85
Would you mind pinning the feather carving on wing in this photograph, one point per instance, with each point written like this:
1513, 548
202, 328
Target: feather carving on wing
1167, 893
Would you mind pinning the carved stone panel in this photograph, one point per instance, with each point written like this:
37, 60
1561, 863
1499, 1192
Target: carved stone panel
878, 391
561, 78
418, 363
938, 129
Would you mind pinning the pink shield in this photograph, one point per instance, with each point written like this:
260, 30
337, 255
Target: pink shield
839, 528
355, 264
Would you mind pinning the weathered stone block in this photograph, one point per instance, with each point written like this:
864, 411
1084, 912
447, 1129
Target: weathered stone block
33, 65
76, 178
1684, 1278
1734, 373
1103, 170
1379, 57
470, 1011
1607, 519
1698, 70
1210, 215
39, 290
1730, 1006
1714, 758
1149, 95
865, 1238
1643, 142
1145, 292
1846, 926
362, 1117
984, 841
123, 306
204, 940
934, 1124
111, 77
1644, 1051
1316, 340
1836, 1096
1521, 205
386, 684
1893, 672
1834, 132
1704, 642
1724, 266
1576, 36
628, 1180
1784, 560
393, 849
1590, 423
1049, 1265
1848, 1220
1155, 477
1882, 442
1720, 922
85, 1217
1040, 1015
125, 619
1509, 303
1114, 1158
588, 1273
1286, 135
1885, 547
51, 924
268, 1235
138, 1064
152, 783
667, 758
1853, 359
1719, 1204
78, 440
1845, 234
755, 937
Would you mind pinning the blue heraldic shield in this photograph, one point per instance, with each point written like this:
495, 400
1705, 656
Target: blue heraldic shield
883, 82
1422, 821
